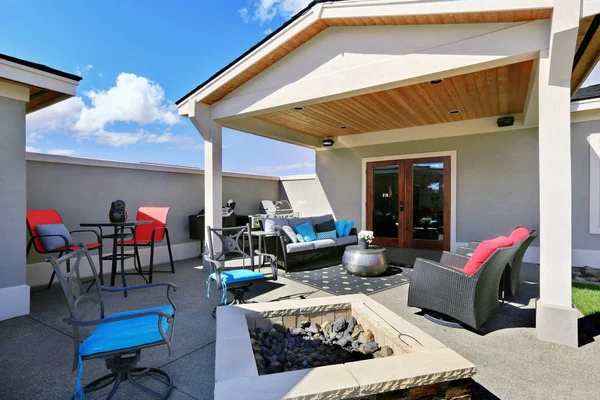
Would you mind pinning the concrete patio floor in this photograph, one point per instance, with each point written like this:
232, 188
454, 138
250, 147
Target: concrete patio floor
37, 350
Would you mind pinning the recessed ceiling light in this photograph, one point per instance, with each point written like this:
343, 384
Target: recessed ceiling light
327, 142
436, 81
299, 108
343, 127
453, 111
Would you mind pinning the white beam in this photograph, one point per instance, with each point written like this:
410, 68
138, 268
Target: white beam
517, 43
31, 76
213, 176
556, 319
271, 131
15, 92
531, 110
589, 8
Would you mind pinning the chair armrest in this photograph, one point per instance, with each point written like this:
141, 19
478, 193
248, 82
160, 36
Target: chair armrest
53, 235
169, 286
272, 261
454, 259
93, 322
473, 245
464, 251
95, 232
160, 228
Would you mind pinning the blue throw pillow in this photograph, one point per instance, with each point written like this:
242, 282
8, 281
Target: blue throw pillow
307, 231
326, 235
54, 242
348, 228
340, 226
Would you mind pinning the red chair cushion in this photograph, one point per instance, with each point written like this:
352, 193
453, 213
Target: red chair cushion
484, 251
41, 217
158, 216
519, 234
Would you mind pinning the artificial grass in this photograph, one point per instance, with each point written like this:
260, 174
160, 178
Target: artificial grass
587, 299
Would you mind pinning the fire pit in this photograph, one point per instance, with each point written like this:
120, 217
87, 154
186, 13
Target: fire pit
333, 347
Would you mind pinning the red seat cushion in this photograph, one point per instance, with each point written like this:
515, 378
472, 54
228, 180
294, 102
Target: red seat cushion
519, 234
484, 251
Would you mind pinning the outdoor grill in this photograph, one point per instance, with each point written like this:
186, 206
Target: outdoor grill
273, 209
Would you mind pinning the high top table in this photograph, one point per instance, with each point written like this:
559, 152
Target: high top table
119, 233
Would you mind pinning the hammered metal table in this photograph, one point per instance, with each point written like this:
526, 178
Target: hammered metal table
365, 262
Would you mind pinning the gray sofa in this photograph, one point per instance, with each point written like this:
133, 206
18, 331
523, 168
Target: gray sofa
290, 253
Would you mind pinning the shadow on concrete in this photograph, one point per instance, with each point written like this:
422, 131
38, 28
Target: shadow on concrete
478, 392
588, 329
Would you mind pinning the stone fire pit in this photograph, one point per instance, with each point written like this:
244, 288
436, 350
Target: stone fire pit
310, 349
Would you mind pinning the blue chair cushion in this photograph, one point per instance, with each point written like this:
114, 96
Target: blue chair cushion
348, 228
237, 275
307, 231
54, 242
126, 334
340, 227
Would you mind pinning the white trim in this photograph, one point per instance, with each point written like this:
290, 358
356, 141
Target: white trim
35, 77
38, 274
15, 92
92, 162
453, 188
298, 177
594, 214
14, 301
585, 105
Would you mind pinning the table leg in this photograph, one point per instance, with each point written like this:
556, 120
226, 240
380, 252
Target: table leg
123, 260
260, 250
113, 271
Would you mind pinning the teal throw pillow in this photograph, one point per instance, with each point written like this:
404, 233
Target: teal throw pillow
340, 226
307, 232
348, 228
326, 235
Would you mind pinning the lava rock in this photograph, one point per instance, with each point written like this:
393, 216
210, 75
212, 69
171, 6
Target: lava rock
369, 336
377, 354
305, 363
344, 341
297, 331
339, 325
326, 327
355, 346
279, 328
276, 366
304, 324
387, 351
369, 347
351, 324
313, 328
260, 361
358, 329
273, 333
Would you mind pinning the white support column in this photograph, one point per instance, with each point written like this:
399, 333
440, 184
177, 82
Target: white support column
556, 319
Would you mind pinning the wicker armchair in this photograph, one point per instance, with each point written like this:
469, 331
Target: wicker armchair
510, 280
447, 290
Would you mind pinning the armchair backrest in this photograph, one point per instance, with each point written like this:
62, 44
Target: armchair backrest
490, 272
523, 246
158, 216
232, 243
41, 217
84, 302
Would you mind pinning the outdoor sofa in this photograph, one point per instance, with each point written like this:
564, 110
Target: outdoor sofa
290, 252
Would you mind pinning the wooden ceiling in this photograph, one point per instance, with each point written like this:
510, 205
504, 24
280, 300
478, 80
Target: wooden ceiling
488, 93
38, 97
589, 54
320, 25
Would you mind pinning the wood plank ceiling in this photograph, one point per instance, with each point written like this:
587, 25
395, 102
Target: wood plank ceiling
493, 92
38, 97
320, 25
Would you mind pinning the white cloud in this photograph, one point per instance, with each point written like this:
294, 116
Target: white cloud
61, 116
82, 70
33, 149
287, 167
118, 139
61, 152
266, 10
268, 31
168, 137
244, 14
100, 75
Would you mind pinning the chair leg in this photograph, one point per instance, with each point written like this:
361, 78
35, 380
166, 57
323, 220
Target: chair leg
170, 252
53, 273
100, 264
137, 257
151, 261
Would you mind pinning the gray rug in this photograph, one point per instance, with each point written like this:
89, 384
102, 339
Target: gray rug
337, 281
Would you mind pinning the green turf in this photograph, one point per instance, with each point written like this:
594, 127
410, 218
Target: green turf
587, 298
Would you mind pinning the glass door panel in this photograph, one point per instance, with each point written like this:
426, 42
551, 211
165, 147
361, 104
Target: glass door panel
428, 201
385, 201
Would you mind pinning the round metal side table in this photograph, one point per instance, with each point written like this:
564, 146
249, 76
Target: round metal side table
365, 262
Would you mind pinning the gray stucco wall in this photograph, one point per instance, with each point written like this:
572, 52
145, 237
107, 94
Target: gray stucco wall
84, 193
306, 196
12, 192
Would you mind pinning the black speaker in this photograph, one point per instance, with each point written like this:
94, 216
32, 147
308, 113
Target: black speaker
506, 121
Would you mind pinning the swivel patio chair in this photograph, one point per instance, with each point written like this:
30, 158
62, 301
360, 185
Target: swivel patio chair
511, 278
35, 218
235, 279
448, 288
118, 338
149, 234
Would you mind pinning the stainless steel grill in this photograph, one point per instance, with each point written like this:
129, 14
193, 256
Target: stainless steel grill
273, 209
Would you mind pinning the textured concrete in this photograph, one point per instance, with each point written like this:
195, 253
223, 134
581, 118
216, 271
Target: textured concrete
511, 362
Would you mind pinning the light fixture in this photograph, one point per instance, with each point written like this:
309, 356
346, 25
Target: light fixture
299, 108
436, 81
453, 111
327, 142
343, 127
506, 121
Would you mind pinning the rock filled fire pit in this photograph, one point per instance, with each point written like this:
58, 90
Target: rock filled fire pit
329, 348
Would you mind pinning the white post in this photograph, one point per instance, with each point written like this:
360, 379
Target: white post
213, 175
556, 319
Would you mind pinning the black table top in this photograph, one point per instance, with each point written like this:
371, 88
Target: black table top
109, 223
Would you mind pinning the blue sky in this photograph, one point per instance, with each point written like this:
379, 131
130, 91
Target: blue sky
136, 60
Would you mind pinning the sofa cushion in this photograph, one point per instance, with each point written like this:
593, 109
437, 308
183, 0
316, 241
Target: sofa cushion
484, 251
348, 228
347, 240
297, 247
519, 234
289, 232
307, 231
340, 226
323, 243
271, 223
294, 222
321, 218
326, 226
299, 238
326, 235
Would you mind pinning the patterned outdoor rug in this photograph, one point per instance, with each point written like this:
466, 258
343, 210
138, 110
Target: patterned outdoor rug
336, 280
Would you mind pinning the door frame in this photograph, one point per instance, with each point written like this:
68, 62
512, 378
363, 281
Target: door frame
453, 161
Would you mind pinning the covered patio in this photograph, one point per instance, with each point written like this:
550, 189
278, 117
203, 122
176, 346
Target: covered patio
365, 81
